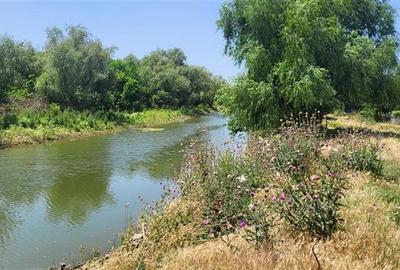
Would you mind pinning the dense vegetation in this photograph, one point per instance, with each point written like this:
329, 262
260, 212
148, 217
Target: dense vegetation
293, 198
74, 85
308, 55
76, 72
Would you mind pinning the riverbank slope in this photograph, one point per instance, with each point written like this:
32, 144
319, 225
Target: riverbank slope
34, 128
277, 205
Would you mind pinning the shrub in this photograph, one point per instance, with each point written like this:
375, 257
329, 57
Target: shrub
368, 113
9, 119
365, 157
225, 185
313, 204
396, 114
309, 186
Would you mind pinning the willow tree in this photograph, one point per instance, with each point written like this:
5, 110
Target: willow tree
18, 67
305, 55
76, 72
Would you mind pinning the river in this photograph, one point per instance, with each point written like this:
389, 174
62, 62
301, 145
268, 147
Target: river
58, 201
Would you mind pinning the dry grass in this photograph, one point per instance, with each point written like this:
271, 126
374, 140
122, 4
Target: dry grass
176, 227
391, 149
368, 240
351, 121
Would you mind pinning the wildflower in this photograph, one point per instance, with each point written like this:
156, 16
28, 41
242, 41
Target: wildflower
242, 178
274, 198
282, 196
207, 221
314, 178
242, 224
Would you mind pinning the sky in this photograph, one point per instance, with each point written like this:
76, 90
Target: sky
137, 27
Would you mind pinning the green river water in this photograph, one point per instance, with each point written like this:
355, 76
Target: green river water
59, 199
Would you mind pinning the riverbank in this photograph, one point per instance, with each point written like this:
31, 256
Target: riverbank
34, 128
286, 202
354, 121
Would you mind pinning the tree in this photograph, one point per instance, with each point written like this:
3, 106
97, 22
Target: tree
306, 55
164, 78
170, 82
18, 67
128, 93
76, 70
203, 86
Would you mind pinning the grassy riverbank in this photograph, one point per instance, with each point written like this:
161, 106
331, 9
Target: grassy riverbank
355, 121
293, 200
30, 127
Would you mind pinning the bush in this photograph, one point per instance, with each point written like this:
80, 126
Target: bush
226, 188
365, 157
9, 119
309, 186
368, 113
396, 114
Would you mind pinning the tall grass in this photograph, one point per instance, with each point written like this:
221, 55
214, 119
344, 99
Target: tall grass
36, 126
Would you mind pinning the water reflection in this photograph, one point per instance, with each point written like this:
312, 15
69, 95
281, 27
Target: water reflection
73, 199
74, 192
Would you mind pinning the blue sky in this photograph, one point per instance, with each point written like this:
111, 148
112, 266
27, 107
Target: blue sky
136, 27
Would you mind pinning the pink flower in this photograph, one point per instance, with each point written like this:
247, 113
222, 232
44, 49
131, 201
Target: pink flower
274, 198
242, 224
207, 221
282, 196
314, 178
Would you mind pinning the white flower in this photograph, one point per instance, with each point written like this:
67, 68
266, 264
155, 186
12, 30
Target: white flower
242, 178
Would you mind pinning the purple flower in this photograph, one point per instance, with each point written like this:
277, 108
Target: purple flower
242, 224
282, 196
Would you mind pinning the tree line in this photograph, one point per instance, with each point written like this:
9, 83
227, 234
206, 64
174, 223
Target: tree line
309, 55
75, 70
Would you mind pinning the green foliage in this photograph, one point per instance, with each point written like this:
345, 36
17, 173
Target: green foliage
306, 55
392, 195
128, 92
311, 186
368, 113
391, 170
365, 157
396, 114
8, 119
170, 82
225, 185
285, 175
76, 70
18, 67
